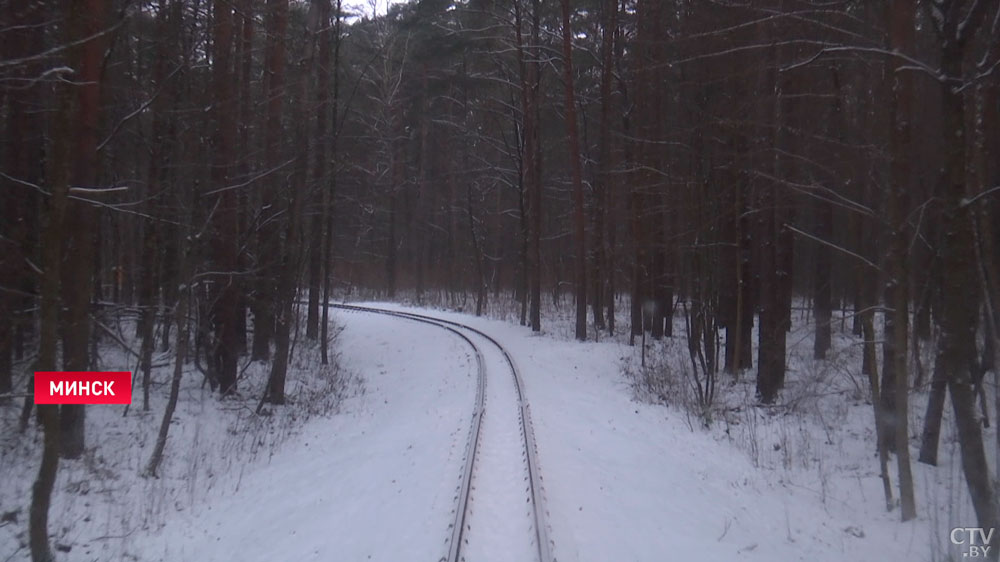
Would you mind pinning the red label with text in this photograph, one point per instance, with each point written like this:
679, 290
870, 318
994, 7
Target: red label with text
83, 387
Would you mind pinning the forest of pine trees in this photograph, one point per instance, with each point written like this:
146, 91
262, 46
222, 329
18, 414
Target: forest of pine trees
209, 167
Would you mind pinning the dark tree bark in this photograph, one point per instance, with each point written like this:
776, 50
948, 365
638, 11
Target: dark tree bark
286, 273
57, 180
959, 306
180, 318
646, 200
868, 329
244, 20
603, 179
18, 202
81, 219
269, 233
577, 176
319, 13
151, 255
533, 162
771, 334
897, 321
930, 437
331, 189
771, 346
224, 352
739, 332
147, 317
822, 297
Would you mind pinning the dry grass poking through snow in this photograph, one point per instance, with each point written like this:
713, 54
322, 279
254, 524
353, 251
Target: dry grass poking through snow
101, 500
818, 439
819, 436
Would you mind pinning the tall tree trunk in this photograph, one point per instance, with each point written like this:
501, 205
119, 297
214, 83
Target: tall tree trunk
180, 318
331, 186
646, 201
822, 305
57, 178
771, 348
225, 301
533, 162
770, 236
609, 18
577, 175
477, 252
319, 14
287, 274
81, 220
266, 306
868, 329
959, 306
244, 16
931, 434
150, 255
901, 40
739, 333
147, 317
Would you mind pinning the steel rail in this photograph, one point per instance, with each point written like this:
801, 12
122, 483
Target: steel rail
543, 541
472, 446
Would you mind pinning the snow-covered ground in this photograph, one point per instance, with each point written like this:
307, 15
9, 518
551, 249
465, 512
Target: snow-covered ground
627, 480
624, 478
103, 509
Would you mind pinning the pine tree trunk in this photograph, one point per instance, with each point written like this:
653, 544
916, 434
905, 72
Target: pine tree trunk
290, 246
225, 302
822, 305
931, 434
57, 178
603, 183
533, 163
897, 320
81, 220
180, 318
331, 189
959, 306
147, 318
883, 453
577, 176
244, 15
771, 348
266, 306
319, 15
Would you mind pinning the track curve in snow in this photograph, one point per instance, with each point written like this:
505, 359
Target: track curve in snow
488, 466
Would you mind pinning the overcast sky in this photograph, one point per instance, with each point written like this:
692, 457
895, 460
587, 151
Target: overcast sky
365, 7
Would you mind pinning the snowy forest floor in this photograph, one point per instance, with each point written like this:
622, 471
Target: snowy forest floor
103, 509
811, 457
362, 465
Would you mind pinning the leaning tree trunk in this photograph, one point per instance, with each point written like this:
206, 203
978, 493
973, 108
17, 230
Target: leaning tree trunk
180, 318
960, 307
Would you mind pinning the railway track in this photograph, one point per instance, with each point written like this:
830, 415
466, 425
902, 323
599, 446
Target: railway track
461, 527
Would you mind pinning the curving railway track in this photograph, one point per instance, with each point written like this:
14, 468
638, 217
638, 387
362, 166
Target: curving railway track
487, 453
